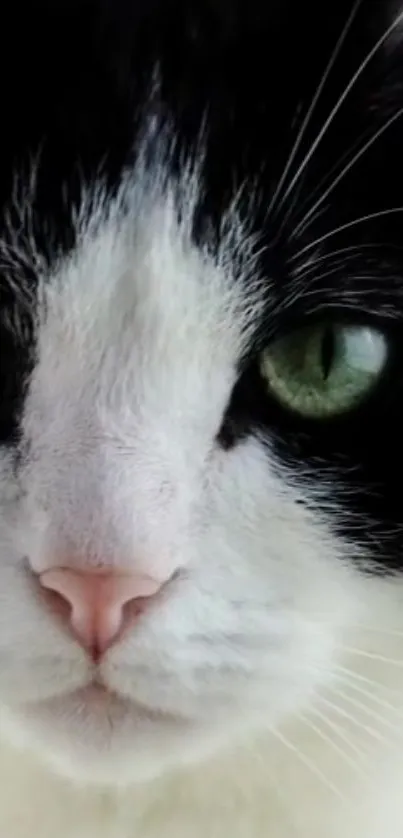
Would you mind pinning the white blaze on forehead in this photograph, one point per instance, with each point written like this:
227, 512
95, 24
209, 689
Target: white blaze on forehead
138, 305
138, 340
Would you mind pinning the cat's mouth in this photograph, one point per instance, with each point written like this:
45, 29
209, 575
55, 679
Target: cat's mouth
96, 697
94, 691
89, 730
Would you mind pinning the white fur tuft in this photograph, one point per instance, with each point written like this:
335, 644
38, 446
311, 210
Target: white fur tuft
253, 701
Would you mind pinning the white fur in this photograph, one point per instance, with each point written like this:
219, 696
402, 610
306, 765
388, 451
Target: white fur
235, 714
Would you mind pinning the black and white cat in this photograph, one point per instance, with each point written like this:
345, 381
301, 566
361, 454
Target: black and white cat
201, 349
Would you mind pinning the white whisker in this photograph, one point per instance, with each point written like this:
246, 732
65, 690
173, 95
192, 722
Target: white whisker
355, 702
307, 220
307, 292
291, 209
332, 744
332, 172
362, 691
358, 723
349, 225
372, 656
338, 730
304, 289
314, 102
308, 764
342, 251
340, 102
365, 680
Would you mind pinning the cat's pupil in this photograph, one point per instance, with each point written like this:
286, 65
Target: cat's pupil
327, 351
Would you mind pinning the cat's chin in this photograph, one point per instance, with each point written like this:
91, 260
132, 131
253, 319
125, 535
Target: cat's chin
94, 735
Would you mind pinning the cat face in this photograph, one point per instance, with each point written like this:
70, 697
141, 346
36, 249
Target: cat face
200, 309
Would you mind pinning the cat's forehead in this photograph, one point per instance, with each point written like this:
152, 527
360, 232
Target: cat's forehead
137, 302
210, 101
88, 74
233, 82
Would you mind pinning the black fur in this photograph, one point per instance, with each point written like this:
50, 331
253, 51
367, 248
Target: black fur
79, 77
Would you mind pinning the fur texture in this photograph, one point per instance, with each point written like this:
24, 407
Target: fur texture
174, 203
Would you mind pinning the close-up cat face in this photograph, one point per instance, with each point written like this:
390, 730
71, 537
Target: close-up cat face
201, 347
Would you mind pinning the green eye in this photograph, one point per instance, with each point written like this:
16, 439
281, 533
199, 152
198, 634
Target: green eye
324, 369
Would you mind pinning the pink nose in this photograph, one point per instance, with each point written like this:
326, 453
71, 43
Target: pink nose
96, 613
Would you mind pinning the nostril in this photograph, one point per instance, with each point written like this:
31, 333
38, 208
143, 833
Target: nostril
96, 607
55, 603
135, 607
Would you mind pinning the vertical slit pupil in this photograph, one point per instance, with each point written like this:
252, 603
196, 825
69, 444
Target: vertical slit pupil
327, 351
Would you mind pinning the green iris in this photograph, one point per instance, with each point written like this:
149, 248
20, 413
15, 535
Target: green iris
324, 369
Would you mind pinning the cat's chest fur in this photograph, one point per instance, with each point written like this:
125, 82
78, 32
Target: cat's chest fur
261, 790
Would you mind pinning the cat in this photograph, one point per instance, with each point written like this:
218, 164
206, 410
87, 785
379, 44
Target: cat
201, 309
